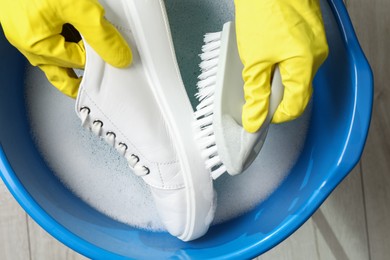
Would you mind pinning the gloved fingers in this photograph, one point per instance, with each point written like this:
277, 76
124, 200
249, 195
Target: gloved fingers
257, 89
64, 79
297, 76
98, 32
56, 51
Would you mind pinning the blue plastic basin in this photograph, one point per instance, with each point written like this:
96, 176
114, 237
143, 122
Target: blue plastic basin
336, 136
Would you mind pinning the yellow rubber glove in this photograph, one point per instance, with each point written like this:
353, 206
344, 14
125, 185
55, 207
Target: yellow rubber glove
34, 27
289, 33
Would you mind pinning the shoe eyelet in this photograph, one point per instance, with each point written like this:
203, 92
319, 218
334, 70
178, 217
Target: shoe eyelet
98, 122
110, 133
147, 170
135, 157
85, 108
132, 160
124, 145
141, 170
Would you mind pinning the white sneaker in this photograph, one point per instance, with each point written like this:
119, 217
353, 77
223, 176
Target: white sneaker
145, 113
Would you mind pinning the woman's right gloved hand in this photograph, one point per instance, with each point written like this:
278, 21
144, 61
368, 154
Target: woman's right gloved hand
289, 33
34, 27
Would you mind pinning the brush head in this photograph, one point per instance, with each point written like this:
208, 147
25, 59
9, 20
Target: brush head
226, 146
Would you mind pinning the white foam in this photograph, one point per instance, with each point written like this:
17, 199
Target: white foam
89, 167
241, 193
99, 176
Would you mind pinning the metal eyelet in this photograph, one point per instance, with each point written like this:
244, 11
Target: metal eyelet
147, 170
110, 133
136, 157
85, 108
132, 160
124, 145
99, 122
141, 170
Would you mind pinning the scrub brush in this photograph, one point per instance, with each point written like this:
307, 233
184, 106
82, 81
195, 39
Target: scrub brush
225, 145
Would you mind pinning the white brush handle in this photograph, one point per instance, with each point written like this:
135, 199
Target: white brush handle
277, 91
238, 148
251, 144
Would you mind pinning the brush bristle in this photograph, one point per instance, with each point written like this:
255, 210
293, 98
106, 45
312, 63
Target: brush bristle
204, 111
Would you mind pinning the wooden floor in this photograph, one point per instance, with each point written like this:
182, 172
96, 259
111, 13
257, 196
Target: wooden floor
354, 223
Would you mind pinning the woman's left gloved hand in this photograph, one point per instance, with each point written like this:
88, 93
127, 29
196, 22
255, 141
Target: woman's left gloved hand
34, 27
288, 33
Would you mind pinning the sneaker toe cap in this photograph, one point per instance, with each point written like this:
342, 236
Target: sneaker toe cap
172, 206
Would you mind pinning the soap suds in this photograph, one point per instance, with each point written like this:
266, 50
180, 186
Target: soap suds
96, 173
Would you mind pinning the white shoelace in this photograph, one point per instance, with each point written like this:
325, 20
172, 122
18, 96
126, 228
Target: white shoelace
110, 137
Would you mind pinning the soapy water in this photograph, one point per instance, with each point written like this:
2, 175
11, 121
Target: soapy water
98, 175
